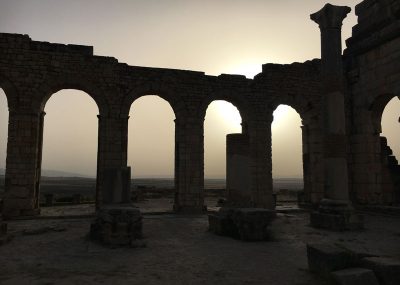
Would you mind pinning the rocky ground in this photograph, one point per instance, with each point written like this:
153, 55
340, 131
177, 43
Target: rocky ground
179, 250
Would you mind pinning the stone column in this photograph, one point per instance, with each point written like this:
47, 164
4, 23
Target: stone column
21, 180
113, 175
335, 210
259, 133
189, 165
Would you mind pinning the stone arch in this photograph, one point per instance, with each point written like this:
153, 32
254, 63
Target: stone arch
287, 142
145, 132
376, 108
305, 108
311, 143
54, 85
238, 101
164, 92
10, 90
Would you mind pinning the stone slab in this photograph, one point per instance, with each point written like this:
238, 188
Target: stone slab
324, 258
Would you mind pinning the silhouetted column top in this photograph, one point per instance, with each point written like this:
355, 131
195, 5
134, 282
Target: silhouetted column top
330, 19
330, 16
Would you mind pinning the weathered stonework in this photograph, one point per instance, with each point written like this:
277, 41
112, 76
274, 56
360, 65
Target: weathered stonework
31, 71
247, 224
117, 225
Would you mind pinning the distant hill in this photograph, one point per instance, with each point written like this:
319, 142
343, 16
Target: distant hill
55, 173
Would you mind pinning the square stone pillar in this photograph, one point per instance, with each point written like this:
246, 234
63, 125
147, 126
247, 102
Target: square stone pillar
238, 171
113, 175
259, 133
23, 164
116, 186
189, 165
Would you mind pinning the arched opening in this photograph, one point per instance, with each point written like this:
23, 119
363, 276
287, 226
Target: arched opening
390, 151
391, 125
3, 137
287, 161
222, 118
69, 155
151, 140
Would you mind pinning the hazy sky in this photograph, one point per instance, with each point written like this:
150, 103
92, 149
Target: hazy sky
214, 36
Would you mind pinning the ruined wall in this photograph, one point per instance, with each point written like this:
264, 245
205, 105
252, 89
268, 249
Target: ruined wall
31, 71
373, 74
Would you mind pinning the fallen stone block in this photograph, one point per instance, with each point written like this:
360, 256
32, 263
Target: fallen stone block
386, 269
324, 258
117, 225
355, 276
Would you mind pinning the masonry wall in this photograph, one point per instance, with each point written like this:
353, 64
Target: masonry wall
373, 75
31, 71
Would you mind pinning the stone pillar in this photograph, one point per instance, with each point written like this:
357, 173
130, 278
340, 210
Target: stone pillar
113, 175
238, 171
335, 211
189, 165
39, 158
117, 222
313, 166
22, 175
259, 133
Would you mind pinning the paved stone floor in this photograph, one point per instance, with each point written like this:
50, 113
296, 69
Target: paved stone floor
179, 250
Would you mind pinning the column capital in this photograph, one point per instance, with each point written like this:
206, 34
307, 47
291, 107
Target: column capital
330, 16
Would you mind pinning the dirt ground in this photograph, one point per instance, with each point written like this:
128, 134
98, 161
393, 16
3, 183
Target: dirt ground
179, 250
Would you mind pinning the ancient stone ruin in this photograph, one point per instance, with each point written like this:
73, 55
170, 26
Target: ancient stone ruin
340, 99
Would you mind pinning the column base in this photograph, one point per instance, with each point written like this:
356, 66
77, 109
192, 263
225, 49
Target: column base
14, 208
117, 225
247, 224
336, 215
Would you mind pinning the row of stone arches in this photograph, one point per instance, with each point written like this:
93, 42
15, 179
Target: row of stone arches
63, 137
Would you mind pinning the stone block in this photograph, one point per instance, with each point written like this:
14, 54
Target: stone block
324, 258
221, 224
117, 225
386, 269
355, 276
248, 224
